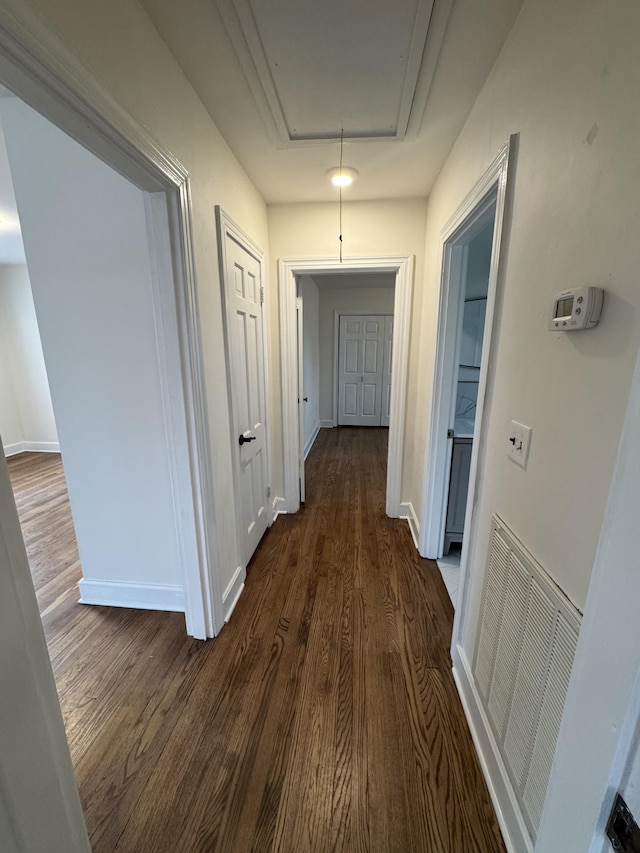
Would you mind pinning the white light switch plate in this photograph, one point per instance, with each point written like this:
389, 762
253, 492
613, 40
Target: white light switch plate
519, 441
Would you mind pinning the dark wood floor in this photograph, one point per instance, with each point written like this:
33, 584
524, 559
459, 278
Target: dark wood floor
324, 716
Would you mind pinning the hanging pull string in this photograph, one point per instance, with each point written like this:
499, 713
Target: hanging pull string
340, 195
340, 224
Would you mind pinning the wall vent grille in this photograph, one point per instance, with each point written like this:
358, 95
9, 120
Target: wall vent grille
524, 655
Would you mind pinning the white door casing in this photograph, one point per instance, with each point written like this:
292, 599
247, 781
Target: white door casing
301, 398
490, 189
39, 806
288, 269
361, 363
241, 274
387, 364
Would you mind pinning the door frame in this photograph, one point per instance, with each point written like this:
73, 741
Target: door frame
455, 259
39, 69
226, 227
301, 397
288, 268
490, 189
336, 355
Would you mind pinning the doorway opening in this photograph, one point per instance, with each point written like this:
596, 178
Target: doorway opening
165, 279
470, 266
472, 295
293, 274
344, 340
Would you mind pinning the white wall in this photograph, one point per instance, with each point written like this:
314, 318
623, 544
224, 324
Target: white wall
311, 357
26, 413
571, 223
309, 230
10, 424
344, 300
598, 742
86, 245
564, 81
120, 46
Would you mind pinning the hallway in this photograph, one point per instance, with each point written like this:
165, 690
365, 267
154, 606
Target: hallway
324, 716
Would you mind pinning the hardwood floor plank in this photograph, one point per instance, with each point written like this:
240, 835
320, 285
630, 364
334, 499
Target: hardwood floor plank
323, 718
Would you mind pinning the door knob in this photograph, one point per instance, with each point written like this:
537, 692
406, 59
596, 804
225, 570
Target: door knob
306, 399
242, 440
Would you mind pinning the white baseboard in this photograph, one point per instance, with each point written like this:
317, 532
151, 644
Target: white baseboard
327, 423
311, 439
278, 507
14, 449
232, 593
407, 511
41, 447
514, 830
142, 596
31, 447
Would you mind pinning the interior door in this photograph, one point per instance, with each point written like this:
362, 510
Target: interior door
360, 370
242, 273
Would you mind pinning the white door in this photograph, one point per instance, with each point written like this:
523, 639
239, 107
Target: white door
242, 265
386, 372
39, 805
360, 370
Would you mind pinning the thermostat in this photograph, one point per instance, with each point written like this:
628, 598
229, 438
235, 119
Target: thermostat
578, 308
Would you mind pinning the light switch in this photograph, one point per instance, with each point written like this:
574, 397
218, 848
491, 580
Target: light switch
519, 441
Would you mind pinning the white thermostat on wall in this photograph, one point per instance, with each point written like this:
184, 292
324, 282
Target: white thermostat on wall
578, 308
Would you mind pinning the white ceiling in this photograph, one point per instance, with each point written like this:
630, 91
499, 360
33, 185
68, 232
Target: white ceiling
399, 77
281, 78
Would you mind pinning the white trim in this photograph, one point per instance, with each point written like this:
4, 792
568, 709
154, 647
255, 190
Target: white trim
429, 27
300, 345
203, 594
311, 440
512, 825
407, 511
336, 367
494, 182
166, 325
13, 449
278, 507
40, 69
327, 423
39, 751
142, 596
41, 446
233, 592
288, 268
31, 447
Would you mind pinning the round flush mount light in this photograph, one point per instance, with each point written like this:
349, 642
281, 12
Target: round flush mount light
342, 176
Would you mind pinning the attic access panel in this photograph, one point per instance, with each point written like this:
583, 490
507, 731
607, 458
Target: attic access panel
315, 67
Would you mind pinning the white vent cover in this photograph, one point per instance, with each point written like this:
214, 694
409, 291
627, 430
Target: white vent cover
523, 660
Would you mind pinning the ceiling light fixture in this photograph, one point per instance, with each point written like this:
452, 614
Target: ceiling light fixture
342, 176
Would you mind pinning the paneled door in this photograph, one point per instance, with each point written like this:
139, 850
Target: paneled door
242, 286
361, 369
